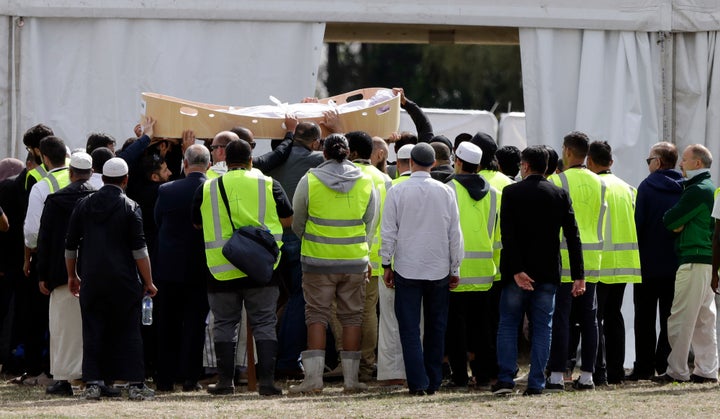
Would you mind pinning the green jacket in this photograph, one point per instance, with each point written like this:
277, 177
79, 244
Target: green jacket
694, 243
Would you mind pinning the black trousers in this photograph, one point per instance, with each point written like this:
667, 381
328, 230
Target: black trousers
650, 297
469, 330
571, 310
611, 333
180, 313
112, 343
30, 323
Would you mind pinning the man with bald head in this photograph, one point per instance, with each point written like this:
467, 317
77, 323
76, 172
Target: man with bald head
182, 274
379, 155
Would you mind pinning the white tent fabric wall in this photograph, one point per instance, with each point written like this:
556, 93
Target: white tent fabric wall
511, 130
85, 75
605, 84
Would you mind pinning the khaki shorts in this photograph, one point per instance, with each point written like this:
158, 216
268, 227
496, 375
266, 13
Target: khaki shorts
320, 290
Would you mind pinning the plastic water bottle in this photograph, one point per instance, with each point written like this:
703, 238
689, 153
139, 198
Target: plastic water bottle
147, 308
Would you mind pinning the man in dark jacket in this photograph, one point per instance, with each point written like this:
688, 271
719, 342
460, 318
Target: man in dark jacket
106, 228
531, 215
64, 312
181, 271
658, 262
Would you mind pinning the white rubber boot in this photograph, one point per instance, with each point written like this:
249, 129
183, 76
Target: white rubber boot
350, 365
314, 365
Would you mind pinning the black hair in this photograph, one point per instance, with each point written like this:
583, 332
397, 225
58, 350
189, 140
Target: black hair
97, 140
405, 138
577, 142
238, 153
54, 149
361, 143
553, 160
99, 156
508, 158
600, 152
336, 147
32, 136
442, 152
460, 138
152, 163
536, 156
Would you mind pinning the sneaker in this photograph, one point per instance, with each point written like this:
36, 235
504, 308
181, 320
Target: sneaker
140, 393
501, 388
92, 392
698, 379
665, 379
533, 392
577, 385
59, 388
554, 388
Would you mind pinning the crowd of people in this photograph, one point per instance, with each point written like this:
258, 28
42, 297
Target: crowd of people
420, 274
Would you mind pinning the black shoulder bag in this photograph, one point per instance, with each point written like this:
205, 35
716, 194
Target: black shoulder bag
251, 249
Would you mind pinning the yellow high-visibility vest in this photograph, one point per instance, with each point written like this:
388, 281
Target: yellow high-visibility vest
620, 262
379, 180
587, 192
335, 229
57, 179
251, 201
480, 228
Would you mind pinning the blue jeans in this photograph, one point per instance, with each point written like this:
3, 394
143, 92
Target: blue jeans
423, 361
540, 304
292, 335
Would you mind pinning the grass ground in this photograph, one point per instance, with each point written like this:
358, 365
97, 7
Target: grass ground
637, 400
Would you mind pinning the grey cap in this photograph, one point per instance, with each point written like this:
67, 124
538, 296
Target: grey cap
423, 154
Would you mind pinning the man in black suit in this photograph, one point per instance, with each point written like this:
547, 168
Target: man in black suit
532, 213
182, 273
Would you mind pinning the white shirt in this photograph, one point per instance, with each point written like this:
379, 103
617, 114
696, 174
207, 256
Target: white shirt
421, 229
36, 203
96, 180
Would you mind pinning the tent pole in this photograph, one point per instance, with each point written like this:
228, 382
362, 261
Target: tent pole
667, 70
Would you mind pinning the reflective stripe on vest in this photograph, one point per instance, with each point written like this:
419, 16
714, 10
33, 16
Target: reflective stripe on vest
57, 179
216, 224
37, 173
479, 267
587, 192
334, 228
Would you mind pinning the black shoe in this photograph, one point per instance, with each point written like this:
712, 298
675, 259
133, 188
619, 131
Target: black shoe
635, 376
59, 388
615, 380
577, 385
665, 379
533, 392
501, 388
453, 385
554, 388
269, 391
191, 386
167, 388
698, 379
220, 391
417, 392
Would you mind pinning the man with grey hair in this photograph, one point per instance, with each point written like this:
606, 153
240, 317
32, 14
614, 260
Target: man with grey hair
182, 274
693, 313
